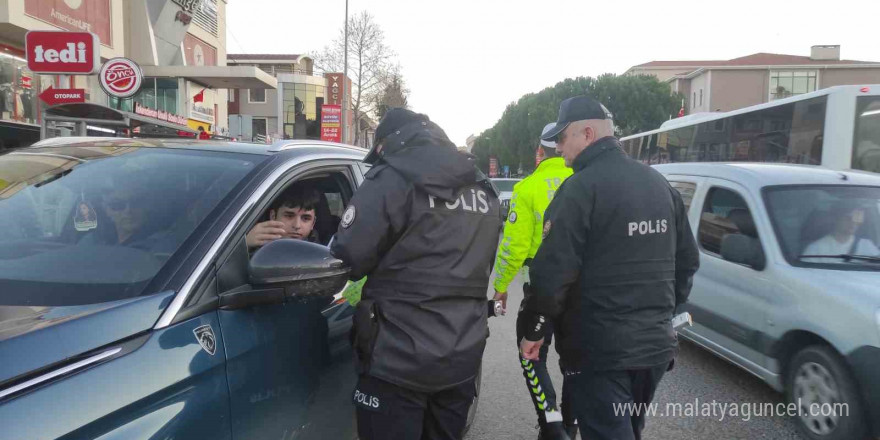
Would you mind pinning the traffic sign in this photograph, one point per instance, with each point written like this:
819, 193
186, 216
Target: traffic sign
52, 96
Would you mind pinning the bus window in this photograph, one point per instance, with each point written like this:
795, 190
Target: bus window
866, 139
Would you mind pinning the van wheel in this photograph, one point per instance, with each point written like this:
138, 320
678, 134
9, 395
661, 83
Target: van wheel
472, 412
829, 406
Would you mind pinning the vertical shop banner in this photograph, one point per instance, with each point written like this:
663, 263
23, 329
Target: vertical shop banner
74, 15
331, 117
493, 167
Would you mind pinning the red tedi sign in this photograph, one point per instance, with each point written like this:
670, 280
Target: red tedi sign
65, 53
121, 77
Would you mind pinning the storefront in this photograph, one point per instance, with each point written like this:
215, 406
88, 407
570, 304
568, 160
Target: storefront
19, 106
302, 97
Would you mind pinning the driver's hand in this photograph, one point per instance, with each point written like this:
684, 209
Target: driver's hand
501, 296
264, 233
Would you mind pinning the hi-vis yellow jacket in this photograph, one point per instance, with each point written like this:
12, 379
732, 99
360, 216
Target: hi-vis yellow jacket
525, 223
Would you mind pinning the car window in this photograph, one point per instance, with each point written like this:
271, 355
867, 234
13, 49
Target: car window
826, 220
87, 225
725, 212
687, 190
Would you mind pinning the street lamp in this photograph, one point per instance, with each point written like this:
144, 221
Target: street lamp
345, 80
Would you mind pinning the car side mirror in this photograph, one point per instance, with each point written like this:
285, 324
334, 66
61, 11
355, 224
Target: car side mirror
742, 249
300, 268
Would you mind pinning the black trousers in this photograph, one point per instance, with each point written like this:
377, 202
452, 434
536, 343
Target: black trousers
600, 401
389, 412
538, 380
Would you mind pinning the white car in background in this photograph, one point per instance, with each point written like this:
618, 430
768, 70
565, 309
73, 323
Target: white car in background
505, 187
787, 286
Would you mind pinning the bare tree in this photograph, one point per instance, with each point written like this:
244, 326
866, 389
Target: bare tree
394, 93
370, 62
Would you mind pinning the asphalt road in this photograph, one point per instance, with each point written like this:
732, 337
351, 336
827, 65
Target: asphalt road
505, 411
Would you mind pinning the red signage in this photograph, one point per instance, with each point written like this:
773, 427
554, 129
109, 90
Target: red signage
158, 114
121, 77
334, 88
53, 96
331, 116
198, 53
26, 81
65, 53
493, 167
74, 15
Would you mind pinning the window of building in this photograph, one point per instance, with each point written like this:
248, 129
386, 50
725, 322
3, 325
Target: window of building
156, 93
19, 88
724, 213
206, 16
687, 190
259, 128
301, 110
694, 102
701, 97
257, 96
789, 83
232, 94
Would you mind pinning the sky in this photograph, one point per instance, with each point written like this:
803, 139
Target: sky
465, 61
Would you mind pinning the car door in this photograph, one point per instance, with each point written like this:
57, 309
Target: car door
289, 365
728, 300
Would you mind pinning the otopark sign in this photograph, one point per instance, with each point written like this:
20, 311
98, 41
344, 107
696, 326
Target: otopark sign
121, 77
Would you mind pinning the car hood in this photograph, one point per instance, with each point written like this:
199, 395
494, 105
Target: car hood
35, 337
860, 287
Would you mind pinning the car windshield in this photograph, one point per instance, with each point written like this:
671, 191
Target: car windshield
82, 225
505, 185
827, 226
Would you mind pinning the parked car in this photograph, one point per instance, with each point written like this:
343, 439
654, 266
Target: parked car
131, 306
505, 187
776, 296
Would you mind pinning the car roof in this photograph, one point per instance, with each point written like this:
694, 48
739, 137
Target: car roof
288, 147
769, 174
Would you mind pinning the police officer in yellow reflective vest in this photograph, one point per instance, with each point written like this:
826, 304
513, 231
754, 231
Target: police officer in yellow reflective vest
522, 237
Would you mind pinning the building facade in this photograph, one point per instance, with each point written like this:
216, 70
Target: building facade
295, 109
709, 86
179, 44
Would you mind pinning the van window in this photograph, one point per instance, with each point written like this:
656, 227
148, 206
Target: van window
687, 190
724, 213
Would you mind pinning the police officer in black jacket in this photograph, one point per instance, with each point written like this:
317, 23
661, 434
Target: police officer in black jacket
618, 257
423, 228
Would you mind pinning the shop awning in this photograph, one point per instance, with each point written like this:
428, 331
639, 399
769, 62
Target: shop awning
217, 77
102, 116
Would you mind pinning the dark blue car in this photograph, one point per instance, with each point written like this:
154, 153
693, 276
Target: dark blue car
132, 308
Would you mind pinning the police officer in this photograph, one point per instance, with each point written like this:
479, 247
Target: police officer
522, 236
618, 257
423, 228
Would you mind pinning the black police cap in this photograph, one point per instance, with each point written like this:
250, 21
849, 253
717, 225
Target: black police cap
573, 109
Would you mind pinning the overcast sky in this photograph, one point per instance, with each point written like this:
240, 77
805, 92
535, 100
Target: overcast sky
464, 61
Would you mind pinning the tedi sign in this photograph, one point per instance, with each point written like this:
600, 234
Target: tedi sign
63, 53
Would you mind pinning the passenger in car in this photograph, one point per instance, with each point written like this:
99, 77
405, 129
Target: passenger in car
842, 239
292, 215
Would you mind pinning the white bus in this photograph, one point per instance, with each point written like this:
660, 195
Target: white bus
837, 127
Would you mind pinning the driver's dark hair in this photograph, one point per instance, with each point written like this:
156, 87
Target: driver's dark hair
298, 196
